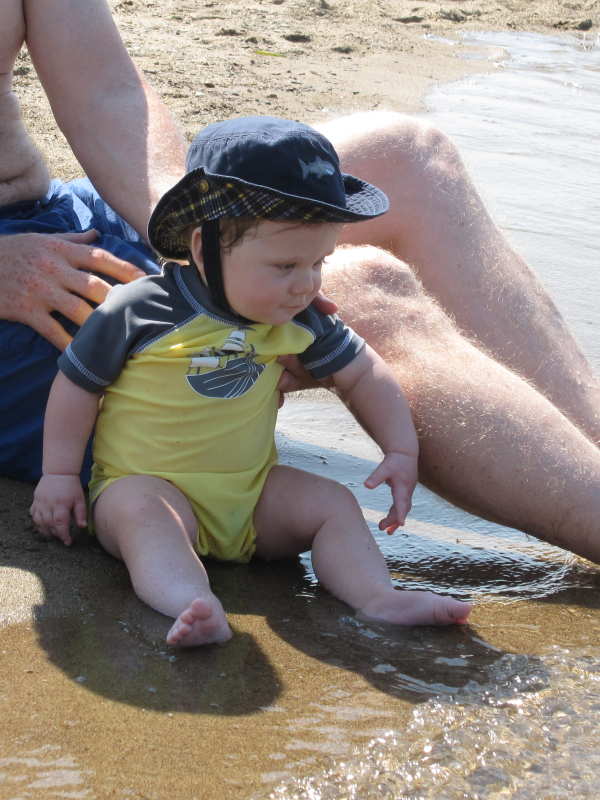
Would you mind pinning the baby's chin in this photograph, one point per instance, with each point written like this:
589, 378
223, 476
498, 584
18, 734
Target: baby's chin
276, 317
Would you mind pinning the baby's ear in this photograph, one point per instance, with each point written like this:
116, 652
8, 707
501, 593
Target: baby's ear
195, 240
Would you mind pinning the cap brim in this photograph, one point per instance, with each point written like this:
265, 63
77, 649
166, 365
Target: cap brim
168, 221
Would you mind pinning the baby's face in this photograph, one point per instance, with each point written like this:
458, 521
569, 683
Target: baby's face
274, 272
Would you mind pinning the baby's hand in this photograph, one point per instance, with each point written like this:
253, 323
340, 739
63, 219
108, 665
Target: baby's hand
399, 471
55, 499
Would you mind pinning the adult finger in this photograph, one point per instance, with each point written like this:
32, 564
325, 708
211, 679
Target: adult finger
87, 285
95, 259
288, 383
325, 304
71, 307
51, 330
79, 237
296, 377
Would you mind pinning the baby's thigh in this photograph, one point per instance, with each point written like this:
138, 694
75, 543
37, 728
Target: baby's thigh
293, 507
141, 507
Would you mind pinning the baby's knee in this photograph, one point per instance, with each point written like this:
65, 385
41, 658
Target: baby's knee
341, 502
133, 499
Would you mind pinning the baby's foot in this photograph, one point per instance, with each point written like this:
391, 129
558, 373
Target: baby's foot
202, 622
415, 608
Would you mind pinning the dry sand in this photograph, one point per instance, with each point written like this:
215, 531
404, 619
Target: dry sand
305, 59
92, 702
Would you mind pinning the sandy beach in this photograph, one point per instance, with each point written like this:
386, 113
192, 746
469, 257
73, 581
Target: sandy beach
304, 59
93, 705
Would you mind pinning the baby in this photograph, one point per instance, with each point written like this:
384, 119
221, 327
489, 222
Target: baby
179, 372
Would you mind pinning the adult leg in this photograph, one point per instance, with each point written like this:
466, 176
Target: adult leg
489, 441
149, 524
438, 224
298, 511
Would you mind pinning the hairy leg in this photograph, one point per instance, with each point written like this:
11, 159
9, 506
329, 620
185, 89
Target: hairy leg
148, 523
438, 224
489, 441
298, 511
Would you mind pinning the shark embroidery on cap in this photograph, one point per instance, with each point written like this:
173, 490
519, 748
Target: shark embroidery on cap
318, 167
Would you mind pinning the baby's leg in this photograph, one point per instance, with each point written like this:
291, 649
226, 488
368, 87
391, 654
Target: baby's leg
149, 524
298, 511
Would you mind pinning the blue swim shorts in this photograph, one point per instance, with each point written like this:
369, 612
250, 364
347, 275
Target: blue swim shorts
27, 360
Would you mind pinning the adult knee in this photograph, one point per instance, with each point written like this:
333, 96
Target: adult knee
368, 268
397, 142
421, 153
382, 299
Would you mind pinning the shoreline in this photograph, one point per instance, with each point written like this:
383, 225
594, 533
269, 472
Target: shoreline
305, 59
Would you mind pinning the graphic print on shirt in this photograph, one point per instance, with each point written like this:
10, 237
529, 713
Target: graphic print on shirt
225, 372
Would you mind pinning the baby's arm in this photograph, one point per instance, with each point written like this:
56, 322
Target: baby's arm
70, 416
369, 389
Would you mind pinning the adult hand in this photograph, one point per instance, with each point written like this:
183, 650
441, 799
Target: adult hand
324, 304
294, 377
41, 273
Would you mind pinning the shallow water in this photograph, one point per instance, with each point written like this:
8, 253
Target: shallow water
531, 732
306, 702
523, 723
530, 134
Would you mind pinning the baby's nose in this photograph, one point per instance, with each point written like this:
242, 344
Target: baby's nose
306, 284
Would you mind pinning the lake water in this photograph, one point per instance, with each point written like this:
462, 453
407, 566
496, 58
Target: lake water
530, 133
512, 712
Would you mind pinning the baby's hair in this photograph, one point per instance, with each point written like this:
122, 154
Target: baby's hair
233, 229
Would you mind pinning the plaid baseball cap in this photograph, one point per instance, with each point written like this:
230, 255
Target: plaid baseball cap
261, 167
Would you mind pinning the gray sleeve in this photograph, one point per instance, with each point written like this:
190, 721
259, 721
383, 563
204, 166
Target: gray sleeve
131, 318
96, 355
335, 345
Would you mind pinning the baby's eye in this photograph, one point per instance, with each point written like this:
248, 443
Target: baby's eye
318, 264
285, 267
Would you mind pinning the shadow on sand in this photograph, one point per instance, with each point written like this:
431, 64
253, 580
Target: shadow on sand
93, 628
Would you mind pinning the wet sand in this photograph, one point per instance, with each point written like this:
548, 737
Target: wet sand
92, 703
96, 706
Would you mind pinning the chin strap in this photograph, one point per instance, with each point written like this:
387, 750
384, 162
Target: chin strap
211, 258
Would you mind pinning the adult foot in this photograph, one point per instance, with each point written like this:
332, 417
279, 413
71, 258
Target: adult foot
415, 608
202, 622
